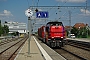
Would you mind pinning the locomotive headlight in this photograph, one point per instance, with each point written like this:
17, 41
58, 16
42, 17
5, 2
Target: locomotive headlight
61, 37
53, 41
59, 41
52, 37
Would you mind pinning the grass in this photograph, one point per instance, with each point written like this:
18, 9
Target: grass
0, 40
88, 37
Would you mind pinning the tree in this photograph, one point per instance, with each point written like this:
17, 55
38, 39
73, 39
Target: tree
5, 29
74, 31
88, 32
0, 27
0, 22
82, 32
1, 30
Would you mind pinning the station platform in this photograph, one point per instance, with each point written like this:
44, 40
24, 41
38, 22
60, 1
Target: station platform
80, 39
35, 53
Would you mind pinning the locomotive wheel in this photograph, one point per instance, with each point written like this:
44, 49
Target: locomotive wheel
52, 44
62, 43
44, 40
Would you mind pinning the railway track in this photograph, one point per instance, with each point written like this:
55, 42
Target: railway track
75, 51
8, 53
7, 41
80, 44
66, 54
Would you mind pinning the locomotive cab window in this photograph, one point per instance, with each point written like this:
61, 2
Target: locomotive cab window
47, 29
54, 24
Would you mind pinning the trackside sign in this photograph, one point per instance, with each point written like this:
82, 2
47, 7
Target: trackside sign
42, 14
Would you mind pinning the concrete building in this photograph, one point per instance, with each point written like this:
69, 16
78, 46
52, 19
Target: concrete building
16, 27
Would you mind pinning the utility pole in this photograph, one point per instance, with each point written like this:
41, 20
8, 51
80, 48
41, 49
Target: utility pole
86, 7
0, 27
70, 21
87, 29
29, 28
29, 14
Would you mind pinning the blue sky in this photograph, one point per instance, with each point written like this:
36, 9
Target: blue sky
14, 10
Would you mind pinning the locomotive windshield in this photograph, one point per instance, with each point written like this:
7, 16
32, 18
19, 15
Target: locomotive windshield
54, 24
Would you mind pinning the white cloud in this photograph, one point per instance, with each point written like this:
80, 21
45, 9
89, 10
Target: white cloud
74, 1
6, 13
85, 12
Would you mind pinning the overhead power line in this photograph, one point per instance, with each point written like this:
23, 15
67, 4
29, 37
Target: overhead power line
28, 3
59, 6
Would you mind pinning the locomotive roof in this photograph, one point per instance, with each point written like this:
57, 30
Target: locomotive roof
54, 22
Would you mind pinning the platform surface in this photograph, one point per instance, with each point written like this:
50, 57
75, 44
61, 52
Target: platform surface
35, 53
38, 51
81, 39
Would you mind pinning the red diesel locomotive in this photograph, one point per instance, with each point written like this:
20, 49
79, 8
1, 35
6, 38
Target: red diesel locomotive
52, 34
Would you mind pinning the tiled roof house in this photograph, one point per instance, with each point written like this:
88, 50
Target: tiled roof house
79, 25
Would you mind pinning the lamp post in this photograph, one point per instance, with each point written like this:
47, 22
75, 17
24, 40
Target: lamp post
29, 14
69, 21
29, 28
87, 29
79, 31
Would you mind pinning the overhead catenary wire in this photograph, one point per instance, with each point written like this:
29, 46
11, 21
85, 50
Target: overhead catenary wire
37, 3
86, 7
28, 3
56, 10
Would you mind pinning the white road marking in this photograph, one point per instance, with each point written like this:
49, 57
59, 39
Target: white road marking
46, 56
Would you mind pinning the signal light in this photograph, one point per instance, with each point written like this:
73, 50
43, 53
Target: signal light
61, 37
36, 10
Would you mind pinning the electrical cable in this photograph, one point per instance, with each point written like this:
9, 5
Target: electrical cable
58, 8
28, 3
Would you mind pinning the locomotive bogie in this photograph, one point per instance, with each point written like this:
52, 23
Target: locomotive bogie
55, 43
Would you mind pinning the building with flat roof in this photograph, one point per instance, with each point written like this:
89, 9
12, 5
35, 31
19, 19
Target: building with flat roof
16, 27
